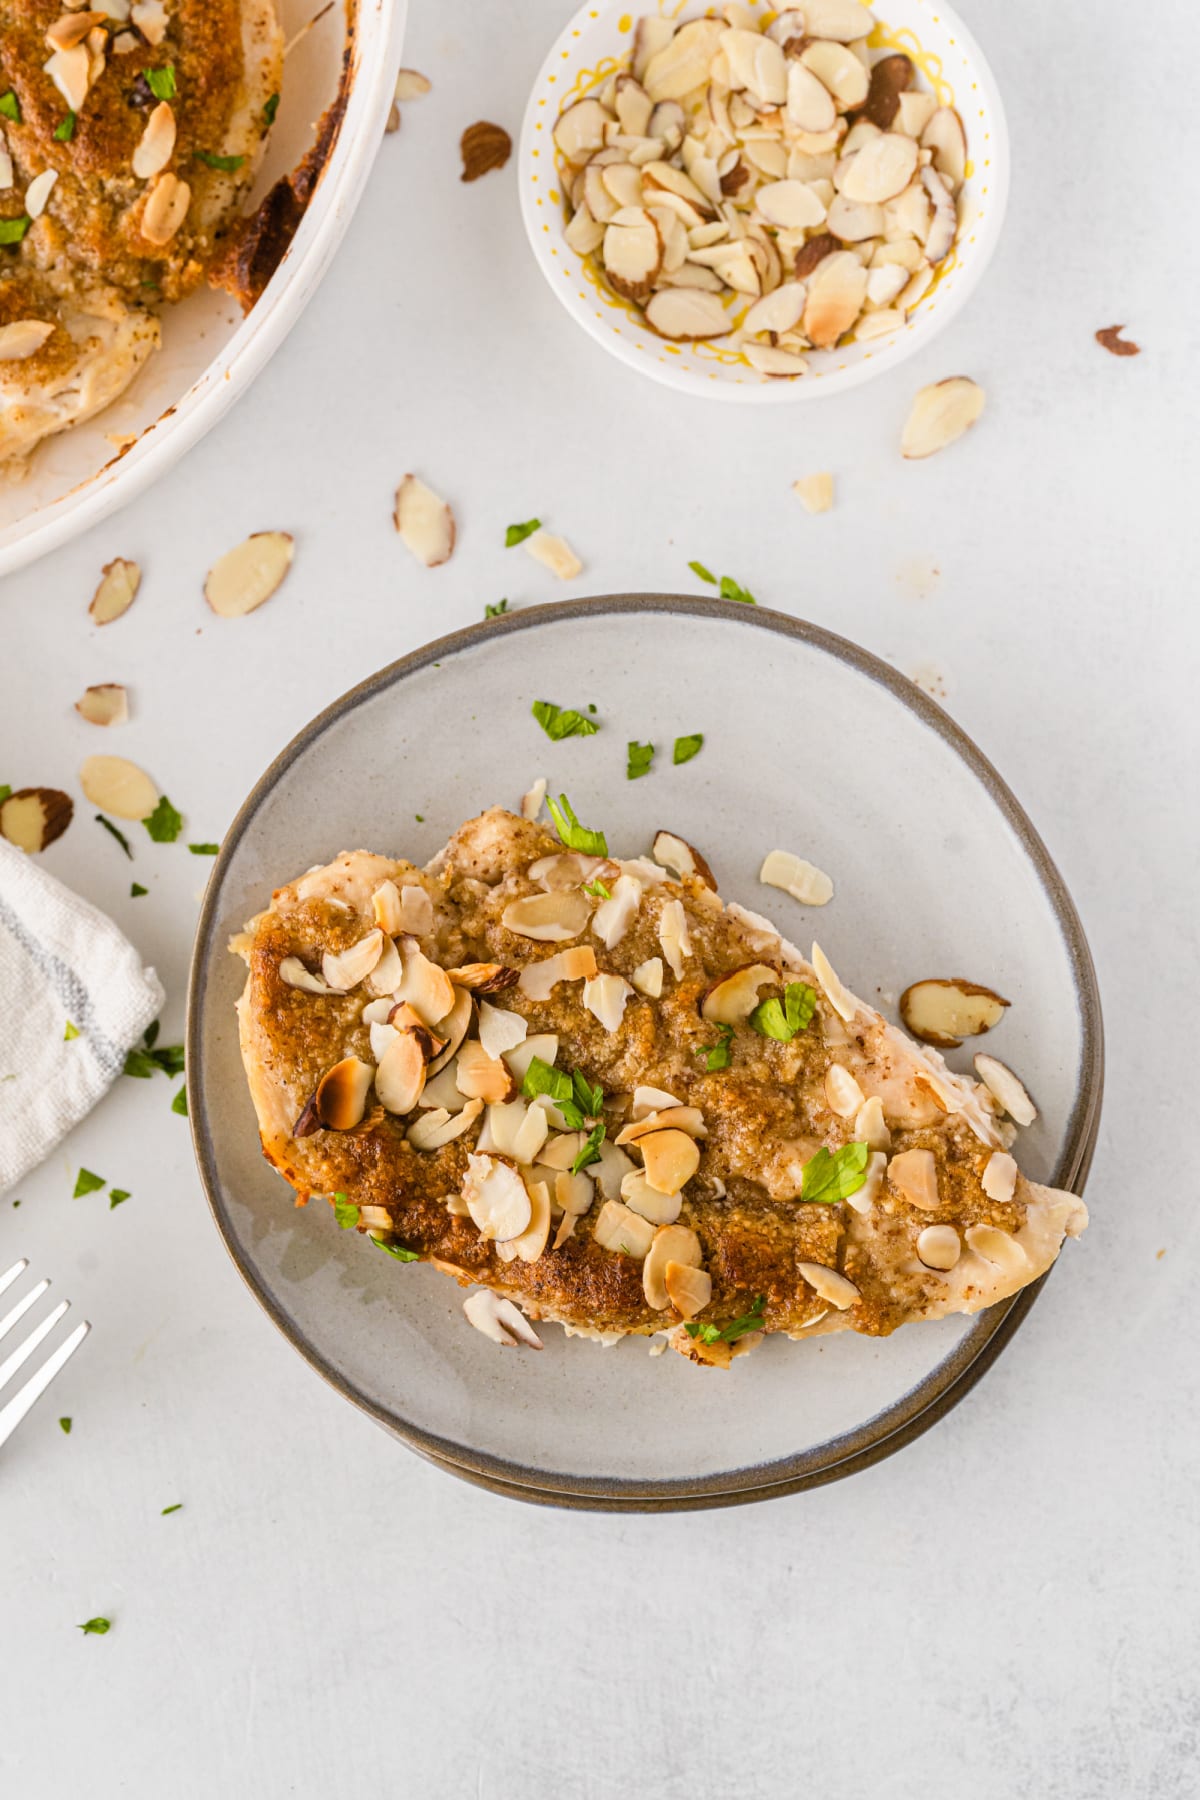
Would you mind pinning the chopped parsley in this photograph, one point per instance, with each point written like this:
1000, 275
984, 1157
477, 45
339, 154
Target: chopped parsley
497, 611
113, 832
178, 1507
204, 849
65, 129
179, 1103
640, 756
573, 1095
729, 588
597, 890
574, 835
687, 747
136, 890
227, 163
164, 824
70, 1031
149, 1055
396, 1250
562, 722
161, 82
10, 107
718, 1054
516, 534
590, 1152
269, 111
66, 1425
344, 1211
150, 1035
782, 1019
699, 569
5, 791
87, 1183
116, 1196
729, 1334
828, 1179
96, 1627
13, 230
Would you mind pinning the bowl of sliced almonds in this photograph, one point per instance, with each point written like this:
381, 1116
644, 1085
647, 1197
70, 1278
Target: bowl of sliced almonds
764, 205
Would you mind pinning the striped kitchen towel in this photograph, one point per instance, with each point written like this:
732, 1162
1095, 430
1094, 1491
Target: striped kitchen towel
74, 998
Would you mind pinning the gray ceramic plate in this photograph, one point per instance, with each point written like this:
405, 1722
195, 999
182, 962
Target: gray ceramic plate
810, 744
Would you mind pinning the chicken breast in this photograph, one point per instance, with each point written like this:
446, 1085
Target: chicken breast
626, 1106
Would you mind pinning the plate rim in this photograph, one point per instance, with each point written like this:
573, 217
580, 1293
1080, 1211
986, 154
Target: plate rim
874, 1438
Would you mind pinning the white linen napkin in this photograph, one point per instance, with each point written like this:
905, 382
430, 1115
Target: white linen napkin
61, 961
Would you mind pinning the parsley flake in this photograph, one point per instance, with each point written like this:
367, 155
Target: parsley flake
699, 569
65, 129
87, 1183
597, 890
497, 611
269, 110
396, 1250
516, 534
66, 1425
782, 1019
562, 722
70, 1031
344, 1211
13, 230
718, 1054
728, 587
828, 1179
5, 791
591, 1150
161, 82
179, 1103
574, 1096
116, 1196
96, 1627
640, 756
574, 835
113, 832
729, 1334
136, 890
204, 849
164, 824
10, 106
687, 747
178, 1507
227, 163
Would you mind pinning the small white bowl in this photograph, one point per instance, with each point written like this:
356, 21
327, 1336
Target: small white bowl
211, 353
599, 39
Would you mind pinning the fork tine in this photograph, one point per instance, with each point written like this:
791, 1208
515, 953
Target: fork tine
12, 1414
21, 1308
24, 1351
10, 1275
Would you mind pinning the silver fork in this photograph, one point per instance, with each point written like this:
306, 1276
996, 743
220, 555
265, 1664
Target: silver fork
35, 1386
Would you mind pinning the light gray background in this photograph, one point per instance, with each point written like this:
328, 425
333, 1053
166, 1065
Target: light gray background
1009, 1607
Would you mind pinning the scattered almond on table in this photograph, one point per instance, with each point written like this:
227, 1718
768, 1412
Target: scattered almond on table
484, 147
249, 574
939, 416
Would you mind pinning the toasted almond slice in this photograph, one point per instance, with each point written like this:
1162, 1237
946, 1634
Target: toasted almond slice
249, 574
552, 918
620, 1230
560, 1151
686, 313
780, 310
647, 1202
453, 1029
843, 1002
1006, 1089
106, 704
802, 880
682, 858
632, 252
863, 1201
555, 554
854, 223
674, 936
401, 1073
438, 1127
500, 1030
944, 1012
605, 997
72, 28
411, 85
505, 1122
838, 69
157, 143
836, 290
831, 1286
345, 969
573, 1193
815, 494
38, 193
119, 787
426, 987
943, 230
1000, 1177
484, 146
341, 1096
23, 339
570, 869
732, 999
71, 72
810, 105
944, 135
482, 1077
683, 64
881, 170
117, 589
651, 1099
165, 209
842, 1092
613, 918
939, 1247
998, 1247
647, 978
670, 1159
497, 1199
530, 1243
689, 1290
677, 1245
149, 17
538, 980
674, 1117
531, 802
870, 1126
498, 1319
790, 204
425, 522
484, 978
293, 973
913, 1174
580, 130
32, 818
385, 903
940, 414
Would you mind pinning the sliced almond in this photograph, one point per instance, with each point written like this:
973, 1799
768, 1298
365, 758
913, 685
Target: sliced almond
674, 936
249, 574
682, 858
688, 1119
484, 146
425, 522
403, 1017
780, 310
842, 1092
877, 324
790, 204
72, 28
580, 130
150, 19
998, 1247
344, 969
689, 1290
573, 1193
647, 1202
891, 76
1006, 1089
538, 980
944, 135
438, 1127
624, 184
832, 1287
731, 1000
632, 105
157, 143
497, 1199
914, 112
560, 1151
485, 978
499, 1029
944, 1012
401, 1073
756, 63
482, 1077
530, 1243
555, 554
118, 787
674, 1244
116, 592
802, 880
843, 20
426, 987
341, 1096
683, 64
165, 209
605, 997
106, 704
881, 170
411, 85
939, 1247
669, 1159
843, 1002
622, 1231
584, 233
614, 917
810, 105
812, 254
940, 415
838, 69
498, 1319
293, 973
883, 285
71, 72
647, 978
651, 34
633, 253
943, 230
815, 494
570, 869
852, 222
32, 818
551, 918
863, 1200
836, 291
651, 1099
23, 339
913, 1174
532, 801
687, 313
1000, 1177
668, 122
870, 1126
453, 1029
385, 903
